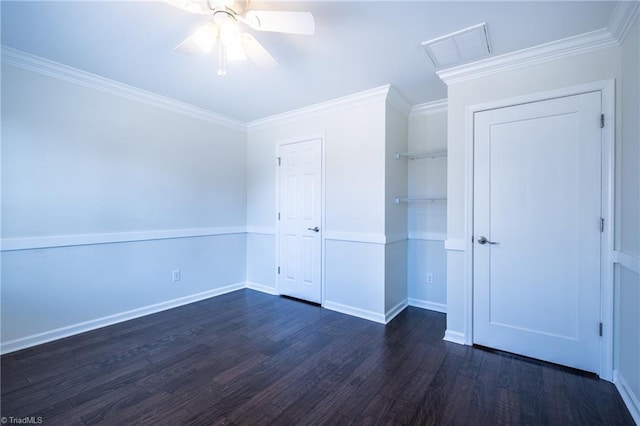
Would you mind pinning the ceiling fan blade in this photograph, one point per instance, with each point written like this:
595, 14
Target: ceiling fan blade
256, 52
202, 41
192, 6
281, 22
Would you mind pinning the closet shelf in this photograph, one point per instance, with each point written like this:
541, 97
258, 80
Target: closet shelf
419, 199
421, 154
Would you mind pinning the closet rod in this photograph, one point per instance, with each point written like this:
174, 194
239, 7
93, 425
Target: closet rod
410, 200
422, 154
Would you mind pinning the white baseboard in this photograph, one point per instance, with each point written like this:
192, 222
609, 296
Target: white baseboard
262, 288
454, 337
393, 312
631, 401
355, 312
425, 304
60, 333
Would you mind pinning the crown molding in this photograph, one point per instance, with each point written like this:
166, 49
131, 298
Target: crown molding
379, 94
624, 15
49, 68
429, 108
395, 98
563, 48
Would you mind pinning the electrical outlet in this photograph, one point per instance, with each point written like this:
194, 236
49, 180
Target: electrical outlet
429, 278
175, 275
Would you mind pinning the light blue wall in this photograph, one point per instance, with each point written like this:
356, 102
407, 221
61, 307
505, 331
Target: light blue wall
627, 241
44, 290
105, 195
427, 221
353, 134
82, 165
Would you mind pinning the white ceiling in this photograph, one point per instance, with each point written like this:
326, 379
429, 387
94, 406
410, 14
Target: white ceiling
358, 45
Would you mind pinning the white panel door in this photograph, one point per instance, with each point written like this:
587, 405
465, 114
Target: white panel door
300, 209
537, 238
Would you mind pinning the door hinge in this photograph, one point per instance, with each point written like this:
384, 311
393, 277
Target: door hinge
601, 121
278, 215
600, 329
279, 160
602, 224
278, 270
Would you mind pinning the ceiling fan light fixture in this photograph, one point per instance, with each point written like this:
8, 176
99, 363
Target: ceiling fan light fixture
219, 4
234, 44
231, 39
281, 21
205, 37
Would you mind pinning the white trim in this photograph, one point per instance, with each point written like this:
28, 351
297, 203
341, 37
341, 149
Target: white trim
536, 55
630, 262
429, 108
355, 237
261, 288
425, 304
468, 232
358, 237
607, 88
393, 312
30, 243
354, 312
428, 236
608, 211
261, 230
49, 68
455, 245
622, 18
455, 337
630, 400
396, 238
60, 333
378, 94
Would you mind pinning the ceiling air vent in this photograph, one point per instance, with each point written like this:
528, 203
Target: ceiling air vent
458, 47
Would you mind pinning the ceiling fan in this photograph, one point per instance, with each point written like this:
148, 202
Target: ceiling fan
224, 30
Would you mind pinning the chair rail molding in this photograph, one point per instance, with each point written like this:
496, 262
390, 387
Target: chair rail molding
30, 243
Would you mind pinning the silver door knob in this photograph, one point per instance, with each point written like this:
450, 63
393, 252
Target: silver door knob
483, 241
316, 229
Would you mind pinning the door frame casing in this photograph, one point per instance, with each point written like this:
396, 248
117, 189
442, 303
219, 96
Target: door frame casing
607, 88
290, 141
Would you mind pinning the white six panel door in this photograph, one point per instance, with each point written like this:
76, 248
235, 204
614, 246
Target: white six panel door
299, 233
537, 196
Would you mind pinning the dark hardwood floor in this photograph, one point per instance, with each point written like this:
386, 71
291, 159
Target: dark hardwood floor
248, 358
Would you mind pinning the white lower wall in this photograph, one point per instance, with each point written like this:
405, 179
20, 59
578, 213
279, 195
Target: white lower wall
354, 278
627, 331
351, 284
396, 278
427, 257
53, 292
456, 312
261, 261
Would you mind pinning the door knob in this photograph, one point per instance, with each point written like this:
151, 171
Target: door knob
316, 229
483, 241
